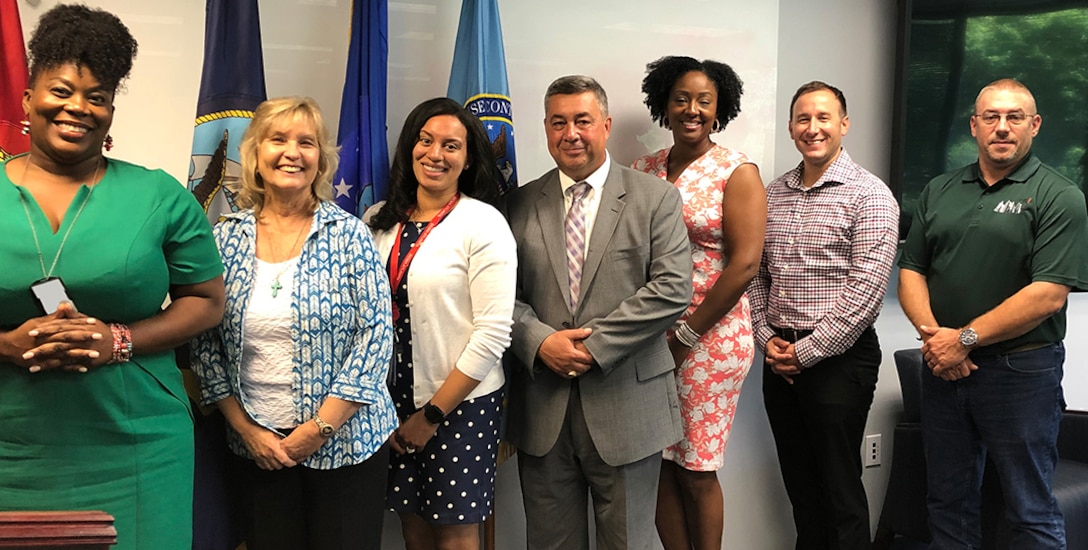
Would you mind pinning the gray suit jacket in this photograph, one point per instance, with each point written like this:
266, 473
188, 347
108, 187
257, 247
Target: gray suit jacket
636, 281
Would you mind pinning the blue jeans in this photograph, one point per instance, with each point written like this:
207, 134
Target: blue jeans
1008, 409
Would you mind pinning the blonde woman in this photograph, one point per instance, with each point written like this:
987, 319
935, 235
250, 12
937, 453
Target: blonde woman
299, 364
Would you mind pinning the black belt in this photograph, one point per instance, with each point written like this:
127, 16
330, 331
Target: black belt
1019, 349
790, 334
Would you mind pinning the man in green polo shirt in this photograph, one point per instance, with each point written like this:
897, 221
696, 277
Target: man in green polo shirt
992, 254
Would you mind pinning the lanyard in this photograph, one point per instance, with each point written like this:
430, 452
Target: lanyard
64, 239
397, 270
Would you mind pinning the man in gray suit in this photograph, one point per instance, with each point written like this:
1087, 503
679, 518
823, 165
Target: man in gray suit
604, 268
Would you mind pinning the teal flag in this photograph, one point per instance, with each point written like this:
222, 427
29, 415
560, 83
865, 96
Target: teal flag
478, 81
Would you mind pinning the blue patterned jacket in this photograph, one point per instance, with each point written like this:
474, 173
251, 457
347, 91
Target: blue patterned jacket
341, 327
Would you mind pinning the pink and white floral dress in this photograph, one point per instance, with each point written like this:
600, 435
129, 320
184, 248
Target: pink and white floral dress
710, 379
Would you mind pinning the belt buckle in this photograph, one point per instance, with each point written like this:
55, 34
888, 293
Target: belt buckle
790, 334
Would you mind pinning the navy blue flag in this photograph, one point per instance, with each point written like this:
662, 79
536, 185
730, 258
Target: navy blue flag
231, 87
478, 81
363, 176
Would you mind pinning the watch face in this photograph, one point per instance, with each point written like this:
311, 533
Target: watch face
968, 337
433, 414
326, 431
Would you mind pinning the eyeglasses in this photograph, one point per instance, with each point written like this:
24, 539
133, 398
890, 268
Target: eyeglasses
1014, 119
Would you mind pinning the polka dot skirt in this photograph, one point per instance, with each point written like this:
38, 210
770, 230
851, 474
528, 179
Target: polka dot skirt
452, 478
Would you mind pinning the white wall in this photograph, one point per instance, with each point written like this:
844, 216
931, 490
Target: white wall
153, 124
774, 46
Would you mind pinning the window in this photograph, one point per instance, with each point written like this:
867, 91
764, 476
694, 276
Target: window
950, 49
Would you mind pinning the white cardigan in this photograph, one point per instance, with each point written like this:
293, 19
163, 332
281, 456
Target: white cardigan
461, 288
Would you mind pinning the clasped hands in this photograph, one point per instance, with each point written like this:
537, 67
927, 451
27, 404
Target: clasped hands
565, 353
65, 340
271, 451
944, 354
781, 356
412, 434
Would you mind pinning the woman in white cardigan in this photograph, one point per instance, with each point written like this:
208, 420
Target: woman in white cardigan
452, 267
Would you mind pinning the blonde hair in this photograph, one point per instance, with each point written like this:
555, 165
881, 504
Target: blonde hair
250, 189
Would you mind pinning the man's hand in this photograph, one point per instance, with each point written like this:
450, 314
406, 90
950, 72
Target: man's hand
942, 348
956, 372
782, 358
564, 353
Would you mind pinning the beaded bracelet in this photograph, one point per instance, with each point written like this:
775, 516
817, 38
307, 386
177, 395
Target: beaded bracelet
122, 343
687, 335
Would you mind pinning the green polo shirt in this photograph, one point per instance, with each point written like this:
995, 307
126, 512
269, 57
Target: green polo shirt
977, 244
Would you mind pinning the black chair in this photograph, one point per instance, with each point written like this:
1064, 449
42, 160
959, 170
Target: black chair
904, 512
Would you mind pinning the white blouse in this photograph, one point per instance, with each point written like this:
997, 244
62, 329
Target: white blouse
267, 371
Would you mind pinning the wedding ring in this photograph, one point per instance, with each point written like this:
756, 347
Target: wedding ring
409, 450
572, 374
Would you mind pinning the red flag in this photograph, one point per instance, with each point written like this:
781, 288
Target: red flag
13, 81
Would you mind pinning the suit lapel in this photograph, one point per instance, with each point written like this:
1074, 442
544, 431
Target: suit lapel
608, 217
550, 212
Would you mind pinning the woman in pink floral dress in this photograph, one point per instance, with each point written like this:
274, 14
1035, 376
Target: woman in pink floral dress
725, 210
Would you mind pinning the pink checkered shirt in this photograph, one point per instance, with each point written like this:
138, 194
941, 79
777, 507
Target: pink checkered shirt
827, 256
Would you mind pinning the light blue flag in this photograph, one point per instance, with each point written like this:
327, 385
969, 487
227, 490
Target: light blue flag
363, 176
478, 81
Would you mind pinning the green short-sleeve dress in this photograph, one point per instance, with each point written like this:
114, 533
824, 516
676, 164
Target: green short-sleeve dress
119, 438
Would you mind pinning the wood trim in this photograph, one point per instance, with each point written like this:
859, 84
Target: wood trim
90, 530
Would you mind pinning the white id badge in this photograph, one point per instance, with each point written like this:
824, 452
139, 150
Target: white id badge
50, 293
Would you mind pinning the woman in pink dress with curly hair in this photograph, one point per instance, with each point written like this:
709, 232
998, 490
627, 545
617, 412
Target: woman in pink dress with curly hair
725, 209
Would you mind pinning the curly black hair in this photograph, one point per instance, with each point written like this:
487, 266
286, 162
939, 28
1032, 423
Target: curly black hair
661, 76
88, 37
480, 178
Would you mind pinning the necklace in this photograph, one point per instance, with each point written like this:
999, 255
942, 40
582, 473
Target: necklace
276, 286
64, 239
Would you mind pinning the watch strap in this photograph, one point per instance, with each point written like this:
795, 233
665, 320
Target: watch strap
432, 413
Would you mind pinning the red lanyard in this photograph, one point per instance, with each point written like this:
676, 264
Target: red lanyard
397, 270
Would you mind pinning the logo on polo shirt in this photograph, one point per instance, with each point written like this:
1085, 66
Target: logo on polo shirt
1009, 207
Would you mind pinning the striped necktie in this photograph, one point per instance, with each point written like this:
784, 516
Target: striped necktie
576, 240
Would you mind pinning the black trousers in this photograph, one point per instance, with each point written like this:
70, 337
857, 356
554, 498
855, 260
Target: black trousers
818, 424
301, 508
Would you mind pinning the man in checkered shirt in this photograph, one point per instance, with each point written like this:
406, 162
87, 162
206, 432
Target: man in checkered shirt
832, 231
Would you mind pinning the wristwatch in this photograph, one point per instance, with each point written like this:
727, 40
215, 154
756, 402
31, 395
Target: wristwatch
968, 338
432, 413
324, 428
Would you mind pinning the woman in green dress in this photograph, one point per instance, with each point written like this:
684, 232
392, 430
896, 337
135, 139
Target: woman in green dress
93, 415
